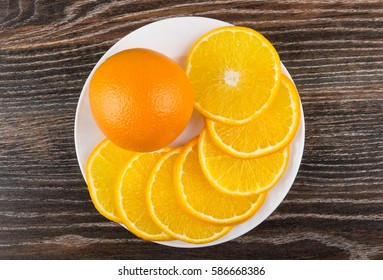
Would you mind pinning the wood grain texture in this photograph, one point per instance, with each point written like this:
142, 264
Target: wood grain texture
334, 51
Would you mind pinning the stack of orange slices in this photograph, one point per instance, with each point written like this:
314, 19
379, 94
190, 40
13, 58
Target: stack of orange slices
198, 192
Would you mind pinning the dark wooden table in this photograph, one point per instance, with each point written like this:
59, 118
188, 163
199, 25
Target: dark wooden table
334, 51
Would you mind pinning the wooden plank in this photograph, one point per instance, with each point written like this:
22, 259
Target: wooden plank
333, 50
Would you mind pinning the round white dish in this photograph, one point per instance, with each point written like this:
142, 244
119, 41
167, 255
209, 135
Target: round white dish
173, 37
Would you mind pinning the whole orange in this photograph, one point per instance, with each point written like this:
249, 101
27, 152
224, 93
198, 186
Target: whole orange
141, 100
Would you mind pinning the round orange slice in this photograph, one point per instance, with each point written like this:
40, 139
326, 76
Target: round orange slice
131, 196
102, 169
235, 73
273, 130
204, 201
166, 211
239, 176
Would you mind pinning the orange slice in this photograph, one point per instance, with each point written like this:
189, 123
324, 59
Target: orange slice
268, 133
204, 201
240, 176
131, 196
235, 73
166, 211
102, 169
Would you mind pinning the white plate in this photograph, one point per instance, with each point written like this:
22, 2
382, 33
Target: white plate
174, 37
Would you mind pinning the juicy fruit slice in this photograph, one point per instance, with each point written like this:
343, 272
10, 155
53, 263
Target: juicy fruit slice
235, 73
201, 199
166, 211
240, 176
273, 130
131, 196
102, 169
